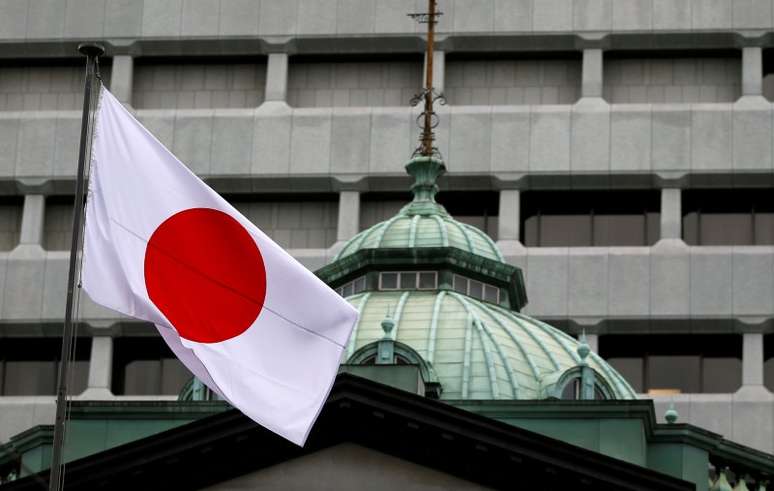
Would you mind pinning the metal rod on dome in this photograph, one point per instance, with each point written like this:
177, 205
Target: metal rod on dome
92, 51
427, 131
428, 93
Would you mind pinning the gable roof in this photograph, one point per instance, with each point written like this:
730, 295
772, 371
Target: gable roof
420, 430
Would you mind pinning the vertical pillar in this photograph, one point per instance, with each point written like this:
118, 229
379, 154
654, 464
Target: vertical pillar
671, 213
122, 77
509, 218
592, 78
349, 215
100, 367
593, 341
439, 70
33, 217
277, 77
752, 71
752, 358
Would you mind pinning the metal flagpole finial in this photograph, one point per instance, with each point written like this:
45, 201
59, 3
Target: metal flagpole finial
428, 120
92, 50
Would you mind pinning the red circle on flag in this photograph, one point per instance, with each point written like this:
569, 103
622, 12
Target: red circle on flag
205, 273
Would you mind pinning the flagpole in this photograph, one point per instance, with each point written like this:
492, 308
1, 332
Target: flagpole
91, 51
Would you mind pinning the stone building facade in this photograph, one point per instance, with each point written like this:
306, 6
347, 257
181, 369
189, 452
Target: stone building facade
619, 152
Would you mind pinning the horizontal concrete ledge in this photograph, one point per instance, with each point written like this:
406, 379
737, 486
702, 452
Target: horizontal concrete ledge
597, 141
78, 20
705, 289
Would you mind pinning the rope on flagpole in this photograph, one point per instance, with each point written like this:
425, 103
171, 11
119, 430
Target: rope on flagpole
79, 268
69, 340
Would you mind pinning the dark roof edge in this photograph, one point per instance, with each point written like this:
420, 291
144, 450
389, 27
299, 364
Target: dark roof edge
481, 437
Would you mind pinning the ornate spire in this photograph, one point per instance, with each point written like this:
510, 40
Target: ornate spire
428, 120
426, 165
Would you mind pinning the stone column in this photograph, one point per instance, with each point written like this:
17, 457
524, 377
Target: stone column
349, 215
100, 368
122, 78
752, 71
277, 77
592, 78
752, 358
509, 223
509, 219
671, 214
439, 70
33, 218
593, 341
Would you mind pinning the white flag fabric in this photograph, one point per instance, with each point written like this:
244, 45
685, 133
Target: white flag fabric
248, 320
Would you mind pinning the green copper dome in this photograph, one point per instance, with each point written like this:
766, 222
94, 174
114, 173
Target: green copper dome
437, 293
479, 350
423, 222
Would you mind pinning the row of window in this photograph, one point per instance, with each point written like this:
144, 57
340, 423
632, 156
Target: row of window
657, 364
423, 280
548, 218
391, 80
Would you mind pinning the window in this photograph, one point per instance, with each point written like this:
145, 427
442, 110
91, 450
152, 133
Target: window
10, 221
29, 366
768, 361
661, 364
475, 289
408, 280
198, 83
590, 218
45, 84
572, 391
476, 208
354, 81
506, 78
294, 221
672, 77
728, 216
353, 287
146, 366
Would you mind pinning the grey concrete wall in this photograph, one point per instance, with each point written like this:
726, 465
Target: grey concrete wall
87, 19
672, 80
353, 84
509, 141
584, 285
495, 82
745, 417
198, 85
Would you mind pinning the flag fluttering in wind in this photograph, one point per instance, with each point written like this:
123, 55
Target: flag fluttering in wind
246, 318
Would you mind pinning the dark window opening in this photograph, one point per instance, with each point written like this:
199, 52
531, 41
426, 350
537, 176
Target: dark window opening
768, 361
661, 364
146, 366
29, 366
590, 218
292, 220
572, 391
476, 208
728, 216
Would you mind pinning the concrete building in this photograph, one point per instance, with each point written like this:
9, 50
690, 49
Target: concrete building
619, 152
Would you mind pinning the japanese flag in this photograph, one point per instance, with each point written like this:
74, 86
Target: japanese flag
248, 320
